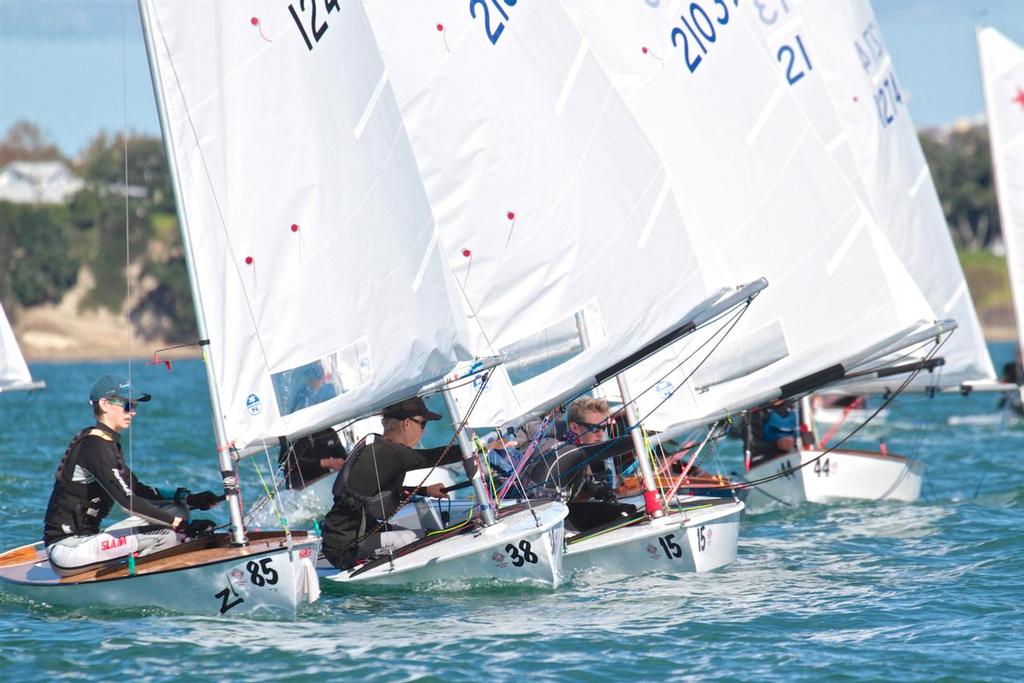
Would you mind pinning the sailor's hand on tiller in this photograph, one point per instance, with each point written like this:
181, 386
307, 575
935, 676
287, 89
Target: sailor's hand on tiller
436, 491
203, 500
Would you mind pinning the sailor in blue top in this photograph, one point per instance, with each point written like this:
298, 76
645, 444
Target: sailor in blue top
779, 429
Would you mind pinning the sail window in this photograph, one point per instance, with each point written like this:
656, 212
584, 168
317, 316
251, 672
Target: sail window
554, 345
323, 379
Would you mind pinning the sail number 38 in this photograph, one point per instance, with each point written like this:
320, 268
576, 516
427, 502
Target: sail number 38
522, 554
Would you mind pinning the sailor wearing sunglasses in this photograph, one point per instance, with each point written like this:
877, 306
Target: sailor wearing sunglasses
92, 476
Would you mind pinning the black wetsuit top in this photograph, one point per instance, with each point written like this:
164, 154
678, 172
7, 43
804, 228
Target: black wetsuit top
92, 476
341, 527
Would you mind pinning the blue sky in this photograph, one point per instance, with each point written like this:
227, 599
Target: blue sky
77, 66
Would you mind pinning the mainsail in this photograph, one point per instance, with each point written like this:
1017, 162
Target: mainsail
1002, 75
555, 212
14, 374
311, 242
843, 42
760, 181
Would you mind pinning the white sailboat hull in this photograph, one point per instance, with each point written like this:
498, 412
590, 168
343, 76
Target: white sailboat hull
262, 580
840, 475
696, 540
524, 546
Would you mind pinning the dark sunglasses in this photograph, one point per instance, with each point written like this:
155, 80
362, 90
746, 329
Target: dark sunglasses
591, 427
421, 422
126, 405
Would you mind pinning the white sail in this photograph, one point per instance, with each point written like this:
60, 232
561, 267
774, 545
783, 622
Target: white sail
763, 184
313, 245
14, 374
1002, 72
840, 44
556, 214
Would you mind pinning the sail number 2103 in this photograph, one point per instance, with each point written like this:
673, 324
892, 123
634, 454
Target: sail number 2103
497, 27
698, 30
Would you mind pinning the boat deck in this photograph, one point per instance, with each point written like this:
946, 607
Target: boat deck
29, 563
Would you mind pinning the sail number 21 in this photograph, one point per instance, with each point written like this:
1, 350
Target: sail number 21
699, 27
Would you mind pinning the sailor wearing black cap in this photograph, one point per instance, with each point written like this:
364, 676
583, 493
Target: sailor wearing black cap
92, 475
369, 488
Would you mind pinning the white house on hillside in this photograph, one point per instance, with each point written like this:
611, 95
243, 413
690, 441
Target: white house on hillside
38, 182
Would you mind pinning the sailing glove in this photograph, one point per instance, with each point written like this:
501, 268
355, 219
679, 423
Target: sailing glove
203, 500
197, 528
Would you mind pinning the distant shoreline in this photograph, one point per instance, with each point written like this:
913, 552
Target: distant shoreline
991, 333
109, 355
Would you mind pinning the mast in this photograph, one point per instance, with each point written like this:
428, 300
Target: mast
228, 471
468, 462
805, 419
651, 502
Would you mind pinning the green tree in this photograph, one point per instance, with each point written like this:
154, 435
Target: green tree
36, 265
23, 141
961, 167
105, 211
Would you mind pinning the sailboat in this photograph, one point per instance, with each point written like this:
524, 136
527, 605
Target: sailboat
568, 246
854, 100
1002, 74
279, 180
14, 373
841, 301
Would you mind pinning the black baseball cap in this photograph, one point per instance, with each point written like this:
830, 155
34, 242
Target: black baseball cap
410, 407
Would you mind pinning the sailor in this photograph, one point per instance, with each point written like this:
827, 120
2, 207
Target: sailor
311, 457
92, 475
369, 488
778, 431
587, 424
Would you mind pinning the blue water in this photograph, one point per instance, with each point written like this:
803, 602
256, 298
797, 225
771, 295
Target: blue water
928, 591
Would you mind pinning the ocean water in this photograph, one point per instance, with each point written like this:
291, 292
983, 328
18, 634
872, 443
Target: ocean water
925, 591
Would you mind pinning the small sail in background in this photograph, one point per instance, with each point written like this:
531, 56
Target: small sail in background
14, 374
1002, 72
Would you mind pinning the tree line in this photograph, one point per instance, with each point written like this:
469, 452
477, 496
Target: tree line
44, 247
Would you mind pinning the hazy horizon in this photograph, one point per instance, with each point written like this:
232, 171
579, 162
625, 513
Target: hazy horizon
76, 68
